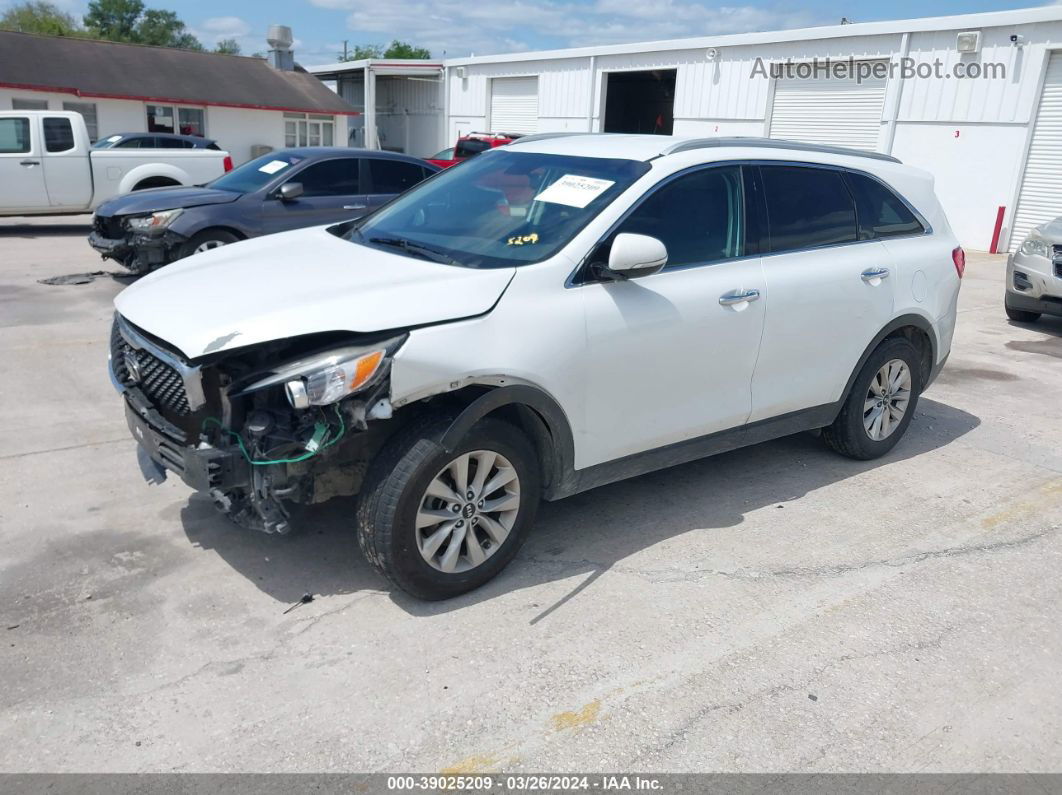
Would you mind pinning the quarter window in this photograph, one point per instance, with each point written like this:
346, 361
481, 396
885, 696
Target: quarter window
88, 113
807, 207
393, 176
881, 212
699, 217
329, 178
14, 136
58, 135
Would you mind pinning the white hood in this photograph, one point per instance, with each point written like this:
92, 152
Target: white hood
300, 282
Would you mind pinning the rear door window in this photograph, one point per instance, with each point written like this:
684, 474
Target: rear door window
14, 136
470, 147
881, 212
807, 207
58, 135
393, 176
329, 178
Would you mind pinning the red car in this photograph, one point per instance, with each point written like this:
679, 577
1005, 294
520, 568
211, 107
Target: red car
469, 145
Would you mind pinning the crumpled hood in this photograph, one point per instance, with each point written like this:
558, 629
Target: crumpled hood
296, 283
155, 199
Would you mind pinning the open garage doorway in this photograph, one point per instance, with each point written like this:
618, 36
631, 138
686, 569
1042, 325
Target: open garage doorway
640, 102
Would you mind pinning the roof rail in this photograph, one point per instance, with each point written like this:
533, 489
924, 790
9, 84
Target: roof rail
546, 136
773, 143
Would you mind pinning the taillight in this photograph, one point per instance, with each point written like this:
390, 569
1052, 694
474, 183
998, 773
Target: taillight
228, 163
958, 256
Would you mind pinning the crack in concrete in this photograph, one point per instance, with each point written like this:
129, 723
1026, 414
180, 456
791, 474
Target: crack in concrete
800, 572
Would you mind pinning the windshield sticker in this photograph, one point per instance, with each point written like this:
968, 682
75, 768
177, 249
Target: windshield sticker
273, 166
114, 138
574, 191
520, 240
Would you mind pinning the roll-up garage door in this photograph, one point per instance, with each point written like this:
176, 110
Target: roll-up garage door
514, 105
1040, 199
829, 110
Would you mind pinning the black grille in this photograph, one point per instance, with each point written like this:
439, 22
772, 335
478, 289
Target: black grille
159, 382
1057, 259
109, 227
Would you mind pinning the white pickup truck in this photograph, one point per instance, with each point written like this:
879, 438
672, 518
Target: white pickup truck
48, 167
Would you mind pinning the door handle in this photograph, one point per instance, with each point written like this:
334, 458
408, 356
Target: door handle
874, 273
355, 206
29, 162
738, 297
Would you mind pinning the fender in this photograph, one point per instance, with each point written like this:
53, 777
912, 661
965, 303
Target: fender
541, 415
148, 170
919, 322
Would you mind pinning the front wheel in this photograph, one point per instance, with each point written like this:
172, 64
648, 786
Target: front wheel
207, 240
881, 403
438, 523
1020, 315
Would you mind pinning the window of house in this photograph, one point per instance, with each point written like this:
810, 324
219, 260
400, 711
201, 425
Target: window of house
881, 212
14, 136
58, 135
393, 176
807, 207
330, 178
699, 217
88, 113
170, 119
309, 129
29, 104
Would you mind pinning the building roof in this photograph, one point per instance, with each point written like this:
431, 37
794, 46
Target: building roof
381, 66
990, 19
107, 69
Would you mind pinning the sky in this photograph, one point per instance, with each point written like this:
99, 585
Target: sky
457, 28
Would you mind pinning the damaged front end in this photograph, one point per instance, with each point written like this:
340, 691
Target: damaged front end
139, 244
253, 434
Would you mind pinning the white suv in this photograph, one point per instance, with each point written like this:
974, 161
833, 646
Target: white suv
1034, 275
550, 316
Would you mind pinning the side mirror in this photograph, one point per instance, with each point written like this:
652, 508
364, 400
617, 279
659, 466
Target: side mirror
290, 191
633, 256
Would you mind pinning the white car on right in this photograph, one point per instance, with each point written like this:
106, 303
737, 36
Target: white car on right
1034, 275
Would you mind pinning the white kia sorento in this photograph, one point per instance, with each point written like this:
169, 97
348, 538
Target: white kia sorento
550, 316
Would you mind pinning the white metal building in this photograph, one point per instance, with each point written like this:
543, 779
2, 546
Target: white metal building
991, 141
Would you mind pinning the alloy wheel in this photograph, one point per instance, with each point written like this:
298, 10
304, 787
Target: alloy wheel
207, 245
887, 398
467, 511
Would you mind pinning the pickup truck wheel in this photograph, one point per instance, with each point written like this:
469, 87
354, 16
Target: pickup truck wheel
438, 523
1020, 315
881, 403
206, 240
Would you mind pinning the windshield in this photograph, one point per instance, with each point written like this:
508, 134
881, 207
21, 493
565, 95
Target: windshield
256, 174
108, 142
500, 209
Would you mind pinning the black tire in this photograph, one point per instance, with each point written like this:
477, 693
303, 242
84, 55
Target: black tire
222, 237
396, 483
1020, 315
847, 435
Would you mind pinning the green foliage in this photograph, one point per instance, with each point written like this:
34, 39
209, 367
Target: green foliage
398, 50
228, 47
38, 16
130, 21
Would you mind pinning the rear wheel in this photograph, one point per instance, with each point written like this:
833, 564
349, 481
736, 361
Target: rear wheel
438, 523
207, 240
881, 403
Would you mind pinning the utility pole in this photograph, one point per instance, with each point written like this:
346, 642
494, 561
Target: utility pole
344, 49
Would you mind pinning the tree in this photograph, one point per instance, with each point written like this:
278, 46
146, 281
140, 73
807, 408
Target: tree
114, 20
38, 16
396, 49
164, 29
363, 51
228, 47
403, 50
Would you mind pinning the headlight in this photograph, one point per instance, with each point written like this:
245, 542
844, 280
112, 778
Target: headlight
324, 378
159, 220
335, 381
1035, 247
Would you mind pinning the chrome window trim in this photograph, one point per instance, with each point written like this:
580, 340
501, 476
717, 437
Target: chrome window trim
927, 228
190, 375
